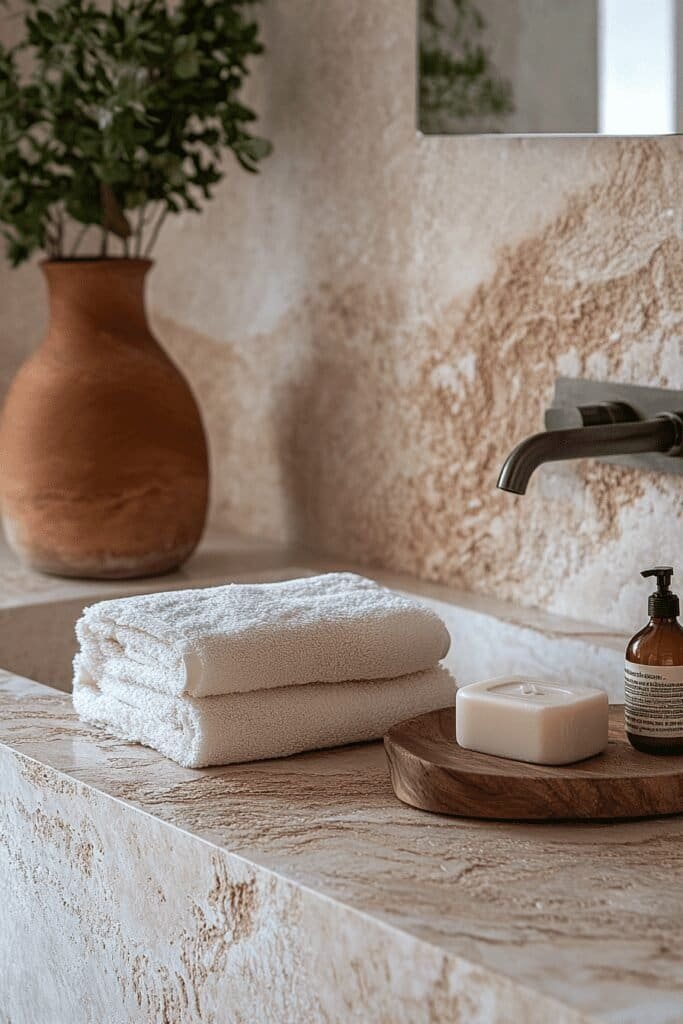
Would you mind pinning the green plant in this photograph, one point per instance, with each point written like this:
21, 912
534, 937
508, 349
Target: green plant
459, 85
121, 118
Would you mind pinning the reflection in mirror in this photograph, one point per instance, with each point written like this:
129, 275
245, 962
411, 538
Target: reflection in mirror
612, 67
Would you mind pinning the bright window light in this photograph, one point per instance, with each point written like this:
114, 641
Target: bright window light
637, 67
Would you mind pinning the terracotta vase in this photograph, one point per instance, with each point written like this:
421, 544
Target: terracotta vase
103, 462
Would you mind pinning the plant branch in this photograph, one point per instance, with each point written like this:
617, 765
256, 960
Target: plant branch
51, 239
79, 239
120, 117
139, 228
59, 232
155, 230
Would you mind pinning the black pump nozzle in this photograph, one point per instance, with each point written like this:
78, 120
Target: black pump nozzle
663, 574
662, 604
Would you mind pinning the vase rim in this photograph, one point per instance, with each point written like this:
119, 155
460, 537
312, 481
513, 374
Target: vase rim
94, 261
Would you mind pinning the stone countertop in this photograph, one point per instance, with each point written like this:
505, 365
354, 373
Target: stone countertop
503, 921
219, 556
375, 911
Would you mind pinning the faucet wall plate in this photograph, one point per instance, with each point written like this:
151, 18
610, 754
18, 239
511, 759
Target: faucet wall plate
646, 403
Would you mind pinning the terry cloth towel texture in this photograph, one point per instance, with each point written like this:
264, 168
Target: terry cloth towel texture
244, 637
275, 722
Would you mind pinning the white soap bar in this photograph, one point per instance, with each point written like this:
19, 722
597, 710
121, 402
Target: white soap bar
531, 720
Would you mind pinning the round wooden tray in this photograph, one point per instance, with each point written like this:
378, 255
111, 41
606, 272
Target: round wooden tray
430, 771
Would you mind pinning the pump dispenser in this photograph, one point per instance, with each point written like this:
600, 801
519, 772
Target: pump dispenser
662, 604
653, 685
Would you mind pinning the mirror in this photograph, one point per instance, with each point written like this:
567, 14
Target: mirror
609, 67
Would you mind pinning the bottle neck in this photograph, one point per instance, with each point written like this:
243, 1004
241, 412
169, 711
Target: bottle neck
664, 620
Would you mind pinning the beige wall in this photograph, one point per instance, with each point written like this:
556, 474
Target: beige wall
374, 321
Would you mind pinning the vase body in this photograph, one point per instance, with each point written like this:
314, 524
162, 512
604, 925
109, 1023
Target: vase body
103, 459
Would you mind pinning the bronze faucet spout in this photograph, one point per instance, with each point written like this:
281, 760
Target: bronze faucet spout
661, 434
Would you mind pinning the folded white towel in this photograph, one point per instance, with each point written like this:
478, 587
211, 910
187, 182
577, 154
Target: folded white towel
261, 724
250, 637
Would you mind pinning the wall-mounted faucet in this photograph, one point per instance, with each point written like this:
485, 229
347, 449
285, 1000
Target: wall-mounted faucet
624, 424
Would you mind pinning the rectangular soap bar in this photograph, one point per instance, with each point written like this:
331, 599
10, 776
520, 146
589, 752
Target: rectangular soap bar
532, 720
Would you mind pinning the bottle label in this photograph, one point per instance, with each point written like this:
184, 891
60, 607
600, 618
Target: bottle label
653, 700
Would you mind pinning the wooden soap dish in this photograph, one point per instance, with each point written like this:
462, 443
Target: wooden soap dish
430, 771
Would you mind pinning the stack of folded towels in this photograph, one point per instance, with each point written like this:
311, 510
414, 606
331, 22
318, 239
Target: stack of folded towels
244, 672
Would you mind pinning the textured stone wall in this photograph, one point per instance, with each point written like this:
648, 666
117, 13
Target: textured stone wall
375, 320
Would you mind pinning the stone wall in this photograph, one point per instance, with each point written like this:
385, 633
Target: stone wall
374, 321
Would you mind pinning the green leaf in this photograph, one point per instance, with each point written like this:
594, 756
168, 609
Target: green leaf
256, 149
187, 65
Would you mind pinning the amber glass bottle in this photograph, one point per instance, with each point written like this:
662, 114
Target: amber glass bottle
654, 674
